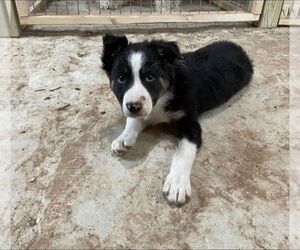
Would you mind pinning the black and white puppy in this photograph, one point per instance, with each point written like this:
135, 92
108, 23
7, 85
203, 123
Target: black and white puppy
155, 83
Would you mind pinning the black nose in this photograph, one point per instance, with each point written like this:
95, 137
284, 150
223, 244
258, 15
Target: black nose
134, 107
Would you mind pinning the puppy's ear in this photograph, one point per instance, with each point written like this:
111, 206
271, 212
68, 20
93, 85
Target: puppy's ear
167, 51
112, 46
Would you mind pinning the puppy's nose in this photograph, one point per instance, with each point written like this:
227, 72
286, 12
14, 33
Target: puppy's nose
134, 107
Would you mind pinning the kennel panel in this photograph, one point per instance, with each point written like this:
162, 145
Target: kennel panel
136, 11
290, 13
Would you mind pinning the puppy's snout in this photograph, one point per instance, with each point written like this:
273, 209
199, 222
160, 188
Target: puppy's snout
134, 107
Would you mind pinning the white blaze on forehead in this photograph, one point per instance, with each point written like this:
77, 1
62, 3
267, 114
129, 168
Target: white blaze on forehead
136, 63
137, 92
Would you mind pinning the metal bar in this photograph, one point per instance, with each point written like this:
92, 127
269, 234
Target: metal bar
33, 7
67, 7
175, 5
56, 7
293, 12
141, 8
45, 6
161, 6
110, 7
78, 8
180, 9
130, 8
283, 13
89, 6
199, 6
99, 10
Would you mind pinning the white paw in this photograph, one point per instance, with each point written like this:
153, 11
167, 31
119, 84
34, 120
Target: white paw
177, 188
121, 145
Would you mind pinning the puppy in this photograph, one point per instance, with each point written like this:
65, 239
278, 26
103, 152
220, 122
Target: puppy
154, 83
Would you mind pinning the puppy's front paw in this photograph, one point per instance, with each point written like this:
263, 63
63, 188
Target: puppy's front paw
121, 145
177, 188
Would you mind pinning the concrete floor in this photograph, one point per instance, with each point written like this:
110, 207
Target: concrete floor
68, 191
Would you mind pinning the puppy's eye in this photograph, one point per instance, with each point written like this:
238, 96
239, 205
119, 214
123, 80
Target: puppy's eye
121, 78
149, 77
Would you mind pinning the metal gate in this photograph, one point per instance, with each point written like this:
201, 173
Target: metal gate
136, 11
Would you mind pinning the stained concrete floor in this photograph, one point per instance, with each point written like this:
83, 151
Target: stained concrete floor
68, 191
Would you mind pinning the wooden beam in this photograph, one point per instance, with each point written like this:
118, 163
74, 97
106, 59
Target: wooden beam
287, 5
131, 19
256, 7
290, 22
270, 15
9, 25
22, 7
4, 21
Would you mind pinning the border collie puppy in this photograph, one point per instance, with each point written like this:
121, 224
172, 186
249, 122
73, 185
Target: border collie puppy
155, 83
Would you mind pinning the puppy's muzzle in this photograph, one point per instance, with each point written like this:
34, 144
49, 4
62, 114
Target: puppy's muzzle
134, 107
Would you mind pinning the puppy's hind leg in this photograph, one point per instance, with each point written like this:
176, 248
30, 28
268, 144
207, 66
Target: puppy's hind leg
177, 186
129, 135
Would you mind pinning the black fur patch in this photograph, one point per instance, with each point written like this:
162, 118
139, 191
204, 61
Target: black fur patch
112, 47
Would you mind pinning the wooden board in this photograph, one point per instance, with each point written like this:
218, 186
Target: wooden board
290, 22
131, 19
290, 8
290, 14
22, 7
256, 6
270, 15
10, 25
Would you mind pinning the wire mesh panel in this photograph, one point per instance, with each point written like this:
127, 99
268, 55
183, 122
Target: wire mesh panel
244, 4
119, 7
137, 11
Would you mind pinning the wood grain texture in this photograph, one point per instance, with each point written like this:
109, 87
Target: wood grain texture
129, 19
270, 15
23, 8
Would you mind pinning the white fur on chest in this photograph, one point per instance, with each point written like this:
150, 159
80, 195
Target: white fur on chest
159, 115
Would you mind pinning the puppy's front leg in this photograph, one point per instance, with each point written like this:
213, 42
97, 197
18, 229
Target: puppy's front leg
129, 135
177, 185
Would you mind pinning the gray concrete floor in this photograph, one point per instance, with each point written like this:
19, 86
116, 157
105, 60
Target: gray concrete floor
68, 191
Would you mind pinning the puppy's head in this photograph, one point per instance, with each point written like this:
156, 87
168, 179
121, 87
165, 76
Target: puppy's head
139, 73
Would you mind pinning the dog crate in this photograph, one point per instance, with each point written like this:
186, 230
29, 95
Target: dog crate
112, 12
